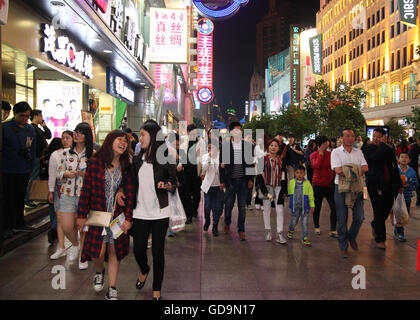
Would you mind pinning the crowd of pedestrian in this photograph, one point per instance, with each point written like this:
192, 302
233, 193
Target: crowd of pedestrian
127, 178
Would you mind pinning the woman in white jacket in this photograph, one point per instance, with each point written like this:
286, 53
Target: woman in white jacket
213, 189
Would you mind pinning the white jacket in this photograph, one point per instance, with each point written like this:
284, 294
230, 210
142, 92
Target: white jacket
211, 167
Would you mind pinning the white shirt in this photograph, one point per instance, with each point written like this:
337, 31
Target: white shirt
52, 169
340, 157
211, 167
147, 201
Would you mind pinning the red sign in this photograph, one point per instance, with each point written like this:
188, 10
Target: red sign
102, 4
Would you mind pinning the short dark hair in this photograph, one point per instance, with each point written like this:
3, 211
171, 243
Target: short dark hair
321, 140
300, 167
22, 106
291, 135
128, 130
191, 127
345, 129
278, 133
35, 113
234, 124
380, 130
6, 106
333, 140
404, 153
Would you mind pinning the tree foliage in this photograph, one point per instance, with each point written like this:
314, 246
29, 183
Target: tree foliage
344, 116
396, 130
414, 121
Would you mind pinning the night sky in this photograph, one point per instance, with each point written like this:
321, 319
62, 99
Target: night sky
235, 50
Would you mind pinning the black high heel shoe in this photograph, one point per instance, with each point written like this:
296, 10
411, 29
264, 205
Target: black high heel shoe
140, 284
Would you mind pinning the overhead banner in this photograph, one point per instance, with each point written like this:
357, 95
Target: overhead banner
168, 35
295, 64
315, 44
205, 30
408, 12
4, 11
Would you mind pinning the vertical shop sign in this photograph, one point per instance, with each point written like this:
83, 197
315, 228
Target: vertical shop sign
295, 64
315, 44
408, 12
168, 35
4, 11
205, 30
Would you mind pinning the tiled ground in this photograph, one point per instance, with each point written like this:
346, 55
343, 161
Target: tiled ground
200, 266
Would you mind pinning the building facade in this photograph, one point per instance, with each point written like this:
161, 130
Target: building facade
366, 45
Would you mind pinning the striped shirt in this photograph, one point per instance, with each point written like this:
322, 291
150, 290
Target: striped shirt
272, 171
238, 169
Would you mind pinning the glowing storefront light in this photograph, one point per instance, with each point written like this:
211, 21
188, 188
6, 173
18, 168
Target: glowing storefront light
205, 30
219, 13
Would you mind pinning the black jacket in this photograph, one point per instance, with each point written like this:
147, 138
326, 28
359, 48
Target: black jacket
377, 157
260, 183
165, 173
226, 172
414, 155
41, 139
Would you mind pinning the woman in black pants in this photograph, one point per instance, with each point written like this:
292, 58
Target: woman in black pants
154, 178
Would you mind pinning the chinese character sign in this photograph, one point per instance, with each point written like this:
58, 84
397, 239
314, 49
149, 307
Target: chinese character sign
205, 60
295, 63
168, 35
316, 49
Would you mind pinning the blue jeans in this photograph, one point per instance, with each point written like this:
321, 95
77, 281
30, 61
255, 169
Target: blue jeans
213, 201
344, 235
53, 209
305, 221
238, 187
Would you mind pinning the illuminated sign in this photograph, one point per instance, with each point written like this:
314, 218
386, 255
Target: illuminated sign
163, 75
4, 11
168, 35
219, 9
408, 12
117, 86
101, 4
295, 63
63, 51
205, 59
315, 44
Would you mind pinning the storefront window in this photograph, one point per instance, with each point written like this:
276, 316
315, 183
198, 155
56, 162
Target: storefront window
396, 94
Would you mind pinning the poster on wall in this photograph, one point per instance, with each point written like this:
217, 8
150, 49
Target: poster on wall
61, 104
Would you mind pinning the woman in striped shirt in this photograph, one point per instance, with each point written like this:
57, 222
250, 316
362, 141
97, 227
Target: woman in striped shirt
274, 187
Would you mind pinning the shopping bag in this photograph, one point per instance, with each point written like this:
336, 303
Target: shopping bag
39, 190
400, 212
177, 216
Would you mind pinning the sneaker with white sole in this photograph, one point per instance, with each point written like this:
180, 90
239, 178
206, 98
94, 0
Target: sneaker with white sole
257, 206
73, 253
267, 235
318, 231
58, 254
112, 294
149, 243
83, 265
98, 281
281, 239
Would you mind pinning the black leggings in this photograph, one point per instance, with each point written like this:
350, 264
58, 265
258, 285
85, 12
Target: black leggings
319, 194
141, 231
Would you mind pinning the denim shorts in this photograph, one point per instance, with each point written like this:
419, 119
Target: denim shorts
68, 203
108, 238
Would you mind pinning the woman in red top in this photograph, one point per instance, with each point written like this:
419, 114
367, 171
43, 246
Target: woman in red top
322, 183
108, 171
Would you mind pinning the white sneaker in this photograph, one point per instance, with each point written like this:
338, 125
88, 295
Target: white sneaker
318, 231
281, 239
58, 254
67, 243
267, 235
257, 206
73, 253
98, 281
112, 294
83, 265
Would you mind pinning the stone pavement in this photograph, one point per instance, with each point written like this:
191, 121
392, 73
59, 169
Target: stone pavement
202, 267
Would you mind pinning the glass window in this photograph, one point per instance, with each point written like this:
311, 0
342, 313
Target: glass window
411, 53
391, 9
383, 13
368, 71
392, 61
373, 69
378, 64
373, 42
373, 19
392, 32
371, 98
368, 44
404, 57
378, 40
383, 36
396, 94
398, 28
361, 48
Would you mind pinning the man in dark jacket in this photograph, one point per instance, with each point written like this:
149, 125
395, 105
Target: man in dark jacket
237, 173
41, 144
414, 163
19, 144
383, 182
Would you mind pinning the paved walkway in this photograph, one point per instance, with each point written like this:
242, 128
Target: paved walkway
200, 267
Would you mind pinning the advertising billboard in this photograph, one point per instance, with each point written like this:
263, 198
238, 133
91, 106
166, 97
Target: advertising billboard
168, 35
315, 44
295, 63
205, 30
61, 104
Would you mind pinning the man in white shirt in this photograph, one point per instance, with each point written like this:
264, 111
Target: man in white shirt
347, 154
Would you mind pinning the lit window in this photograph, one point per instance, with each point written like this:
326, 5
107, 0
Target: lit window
396, 94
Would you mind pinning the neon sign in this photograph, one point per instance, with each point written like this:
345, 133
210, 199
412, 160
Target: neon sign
219, 13
205, 60
101, 4
63, 51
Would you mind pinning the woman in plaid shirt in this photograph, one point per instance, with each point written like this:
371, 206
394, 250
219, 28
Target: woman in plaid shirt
107, 172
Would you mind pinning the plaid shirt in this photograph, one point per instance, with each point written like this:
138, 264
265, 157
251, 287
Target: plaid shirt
92, 197
272, 171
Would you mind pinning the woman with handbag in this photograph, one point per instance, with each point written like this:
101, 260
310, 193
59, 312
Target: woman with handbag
53, 194
154, 177
108, 171
71, 170
273, 186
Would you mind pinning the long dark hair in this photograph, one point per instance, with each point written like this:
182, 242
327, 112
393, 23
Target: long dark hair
106, 154
84, 128
54, 145
152, 128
